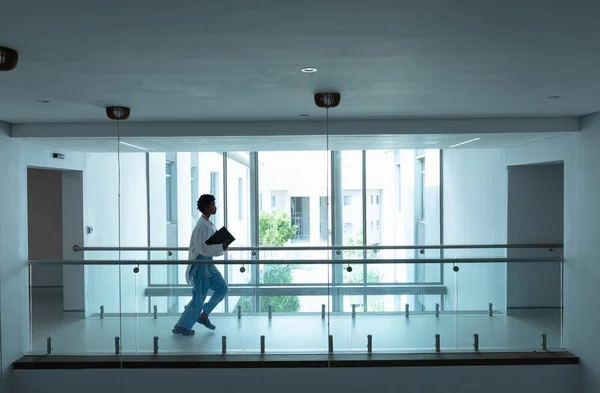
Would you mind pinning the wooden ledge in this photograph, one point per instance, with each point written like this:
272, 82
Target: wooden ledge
58, 362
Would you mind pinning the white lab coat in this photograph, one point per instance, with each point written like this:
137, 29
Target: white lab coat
199, 250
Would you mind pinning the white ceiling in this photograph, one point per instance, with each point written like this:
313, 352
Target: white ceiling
293, 143
241, 60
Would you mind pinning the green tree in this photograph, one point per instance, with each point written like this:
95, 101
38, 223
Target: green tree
375, 303
275, 229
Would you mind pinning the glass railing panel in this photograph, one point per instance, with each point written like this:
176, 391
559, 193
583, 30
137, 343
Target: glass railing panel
400, 309
401, 313
224, 316
93, 329
511, 305
287, 298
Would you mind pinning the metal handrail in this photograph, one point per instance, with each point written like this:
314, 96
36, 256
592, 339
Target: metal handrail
293, 261
77, 248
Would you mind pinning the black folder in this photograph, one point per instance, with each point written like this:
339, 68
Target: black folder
221, 236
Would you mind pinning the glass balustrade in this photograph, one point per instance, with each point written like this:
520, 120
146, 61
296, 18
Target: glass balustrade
293, 301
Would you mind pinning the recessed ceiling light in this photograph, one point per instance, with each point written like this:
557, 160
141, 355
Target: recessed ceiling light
465, 142
554, 97
303, 115
309, 70
43, 101
135, 146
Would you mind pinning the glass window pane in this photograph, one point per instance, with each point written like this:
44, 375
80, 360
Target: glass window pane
406, 185
352, 213
238, 214
295, 183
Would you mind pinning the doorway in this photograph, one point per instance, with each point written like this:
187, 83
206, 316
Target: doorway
535, 215
55, 224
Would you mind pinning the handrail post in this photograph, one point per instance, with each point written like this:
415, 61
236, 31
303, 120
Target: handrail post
476, 342
369, 344
117, 345
49, 345
437, 343
156, 345
224, 345
544, 342
262, 345
155, 311
437, 310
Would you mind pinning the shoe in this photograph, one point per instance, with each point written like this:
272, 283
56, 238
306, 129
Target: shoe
206, 322
183, 331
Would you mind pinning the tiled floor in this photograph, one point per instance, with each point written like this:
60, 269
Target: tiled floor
295, 334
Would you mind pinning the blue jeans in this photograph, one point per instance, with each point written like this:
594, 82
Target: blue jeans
196, 306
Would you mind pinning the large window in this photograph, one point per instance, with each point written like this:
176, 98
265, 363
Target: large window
311, 198
296, 184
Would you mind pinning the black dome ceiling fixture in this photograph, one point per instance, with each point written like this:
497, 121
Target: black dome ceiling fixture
118, 112
327, 100
8, 59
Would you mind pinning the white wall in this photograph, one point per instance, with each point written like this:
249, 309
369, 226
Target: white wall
44, 206
582, 267
514, 379
475, 211
73, 213
535, 215
14, 296
579, 152
101, 195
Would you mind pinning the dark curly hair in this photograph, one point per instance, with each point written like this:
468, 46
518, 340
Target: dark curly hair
204, 201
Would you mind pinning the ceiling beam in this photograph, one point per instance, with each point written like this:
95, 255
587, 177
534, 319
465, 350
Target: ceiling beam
294, 128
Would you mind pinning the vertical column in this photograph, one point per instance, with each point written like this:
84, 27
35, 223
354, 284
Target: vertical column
337, 232
364, 221
254, 204
253, 270
315, 218
74, 276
